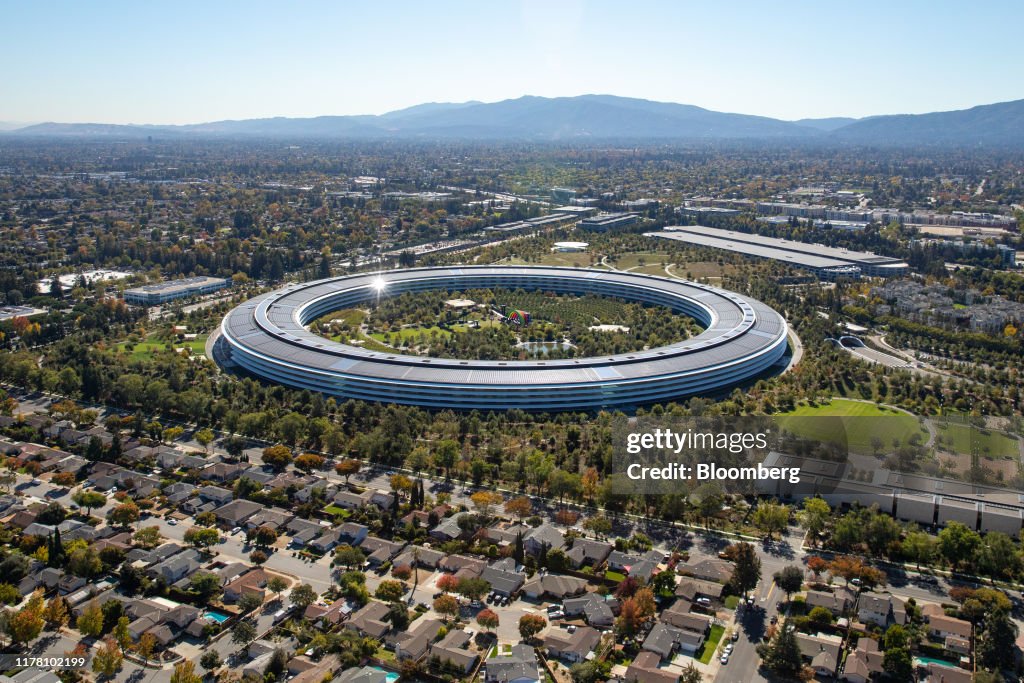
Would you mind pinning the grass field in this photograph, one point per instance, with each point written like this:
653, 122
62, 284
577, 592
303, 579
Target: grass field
963, 438
146, 349
614, 576
412, 334
580, 259
711, 644
860, 422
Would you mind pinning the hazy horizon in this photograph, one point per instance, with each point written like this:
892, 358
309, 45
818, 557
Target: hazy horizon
191, 62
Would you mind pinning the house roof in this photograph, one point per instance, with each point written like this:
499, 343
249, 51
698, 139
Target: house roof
959, 627
645, 669
520, 663
580, 643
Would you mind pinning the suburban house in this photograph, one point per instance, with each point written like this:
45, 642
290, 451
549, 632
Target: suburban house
585, 552
545, 536
253, 581
555, 586
517, 666
821, 652
665, 641
691, 589
369, 620
235, 513
594, 608
414, 643
503, 577
645, 669
864, 662
680, 616
451, 650
710, 569
837, 603
881, 609
573, 647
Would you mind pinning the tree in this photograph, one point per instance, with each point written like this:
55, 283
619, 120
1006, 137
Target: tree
530, 625
789, 579
243, 633
205, 438
748, 568
447, 582
895, 636
348, 556
307, 462
85, 562
121, 634
210, 660
207, 518
691, 674
302, 596
782, 654
90, 621
148, 537
257, 557
820, 616
519, 507
817, 564
708, 500
264, 536
814, 517
599, 525
89, 500
56, 613
144, 648
446, 605
881, 533
628, 623
125, 514
473, 588
202, 538
958, 544
487, 618
390, 591
26, 624
346, 468
206, 584
185, 672
771, 518
398, 615
250, 602
998, 557
108, 659
277, 457
919, 547
486, 501
897, 663
277, 585
996, 649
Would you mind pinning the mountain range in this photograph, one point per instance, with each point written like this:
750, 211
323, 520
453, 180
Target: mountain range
590, 117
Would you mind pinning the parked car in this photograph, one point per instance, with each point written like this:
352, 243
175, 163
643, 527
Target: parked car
724, 660
704, 602
735, 636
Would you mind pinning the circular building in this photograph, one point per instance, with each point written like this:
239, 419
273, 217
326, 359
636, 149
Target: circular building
743, 338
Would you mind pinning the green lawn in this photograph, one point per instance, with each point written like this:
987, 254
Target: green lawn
411, 334
614, 576
732, 601
968, 439
334, 510
860, 423
143, 350
711, 644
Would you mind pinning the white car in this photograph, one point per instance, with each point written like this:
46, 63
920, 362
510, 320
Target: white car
724, 659
172, 522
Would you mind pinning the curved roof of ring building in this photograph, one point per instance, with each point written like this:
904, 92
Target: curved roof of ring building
268, 337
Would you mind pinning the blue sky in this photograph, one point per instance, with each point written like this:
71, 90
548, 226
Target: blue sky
183, 62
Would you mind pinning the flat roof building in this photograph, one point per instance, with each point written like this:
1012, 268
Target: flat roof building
603, 222
750, 244
163, 292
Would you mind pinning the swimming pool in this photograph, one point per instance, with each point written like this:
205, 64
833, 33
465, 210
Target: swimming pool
216, 616
391, 676
925, 661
